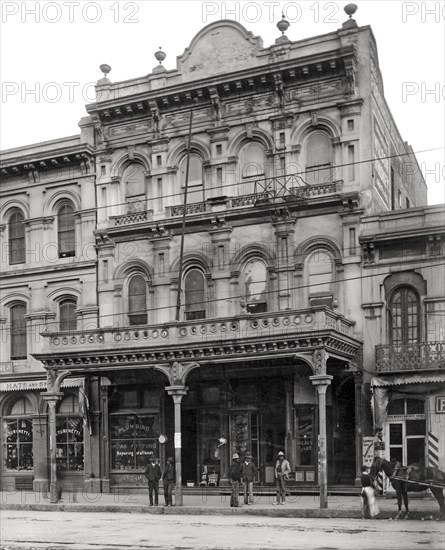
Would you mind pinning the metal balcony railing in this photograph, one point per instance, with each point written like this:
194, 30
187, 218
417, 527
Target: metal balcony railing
410, 357
283, 189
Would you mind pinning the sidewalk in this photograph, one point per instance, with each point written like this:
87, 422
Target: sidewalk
298, 506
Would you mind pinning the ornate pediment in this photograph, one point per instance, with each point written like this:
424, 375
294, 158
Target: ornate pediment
221, 47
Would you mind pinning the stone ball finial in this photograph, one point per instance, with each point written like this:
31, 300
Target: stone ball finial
283, 24
160, 55
105, 69
350, 9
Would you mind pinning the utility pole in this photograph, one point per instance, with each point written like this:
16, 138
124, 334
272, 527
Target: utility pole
184, 214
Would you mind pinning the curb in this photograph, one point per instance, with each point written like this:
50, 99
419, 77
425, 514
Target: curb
317, 513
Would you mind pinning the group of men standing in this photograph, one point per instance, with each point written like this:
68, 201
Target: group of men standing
246, 471
153, 474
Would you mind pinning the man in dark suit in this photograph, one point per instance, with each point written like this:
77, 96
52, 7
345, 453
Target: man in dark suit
169, 478
153, 475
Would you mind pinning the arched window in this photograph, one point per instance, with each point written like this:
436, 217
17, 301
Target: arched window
137, 300
18, 436
69, 435
194, 294
18, 332
404, 317
16, 230
255, 286
67, 314
66, 231
320, 272
134, 182
252, 161
319, 158
195, 187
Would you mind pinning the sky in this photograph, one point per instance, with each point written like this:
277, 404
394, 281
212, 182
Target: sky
51, 52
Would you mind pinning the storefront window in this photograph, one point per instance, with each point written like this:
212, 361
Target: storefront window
69, 435
17, 433
406, 430
304, 432
69, 438
133, 440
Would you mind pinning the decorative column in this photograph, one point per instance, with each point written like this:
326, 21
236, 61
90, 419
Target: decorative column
177, 393
358, 381
52, 396
284, 230
40, 451
321, 381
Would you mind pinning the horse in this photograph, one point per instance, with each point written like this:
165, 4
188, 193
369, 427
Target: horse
411, 473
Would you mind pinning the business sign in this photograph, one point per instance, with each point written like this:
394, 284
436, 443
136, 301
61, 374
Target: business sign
6, 368
26, 385
368, 451
440, 404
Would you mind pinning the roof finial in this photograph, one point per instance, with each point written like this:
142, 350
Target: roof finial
350, 9
282, 25
105, 80
160, 56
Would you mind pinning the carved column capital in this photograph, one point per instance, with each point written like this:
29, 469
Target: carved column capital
319, 359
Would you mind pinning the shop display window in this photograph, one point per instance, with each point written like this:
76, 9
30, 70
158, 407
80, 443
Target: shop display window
134, 440
17, 437
69, 439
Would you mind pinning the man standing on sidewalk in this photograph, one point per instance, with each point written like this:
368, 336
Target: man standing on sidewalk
282, 471
153, 475
169, 481
248, 473
235, 478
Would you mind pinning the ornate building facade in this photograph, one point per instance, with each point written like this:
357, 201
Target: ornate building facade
293, 157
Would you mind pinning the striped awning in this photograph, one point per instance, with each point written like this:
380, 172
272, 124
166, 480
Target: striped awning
409, 378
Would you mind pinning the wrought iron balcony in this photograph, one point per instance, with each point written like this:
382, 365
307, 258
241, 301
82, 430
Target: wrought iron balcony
272, 333
284, 189
411, 357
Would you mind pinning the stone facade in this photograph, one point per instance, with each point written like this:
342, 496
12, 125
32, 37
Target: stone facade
280, 201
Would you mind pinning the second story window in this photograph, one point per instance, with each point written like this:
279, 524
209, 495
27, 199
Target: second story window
16, 230
255, 286
66, 231
195, 186
134, 182
404, 317
319, 158
194, 294
137, 300
18, 332
67, 315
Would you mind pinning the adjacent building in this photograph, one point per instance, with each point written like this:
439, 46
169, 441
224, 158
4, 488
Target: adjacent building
285, 253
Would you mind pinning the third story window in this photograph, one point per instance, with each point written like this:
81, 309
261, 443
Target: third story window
16, 229
66, 231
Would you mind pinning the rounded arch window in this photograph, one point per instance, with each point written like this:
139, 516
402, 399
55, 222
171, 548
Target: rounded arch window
69, 435
18, 436
16, 231
137, 300
404, 317
252, 160
134, 181
194, 295
319, 159
66, 230
320, 272
255, 285
195, 186
18, 340
67, 314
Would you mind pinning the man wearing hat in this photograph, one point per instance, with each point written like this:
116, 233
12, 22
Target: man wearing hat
248, 473
282, 471
235, 478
